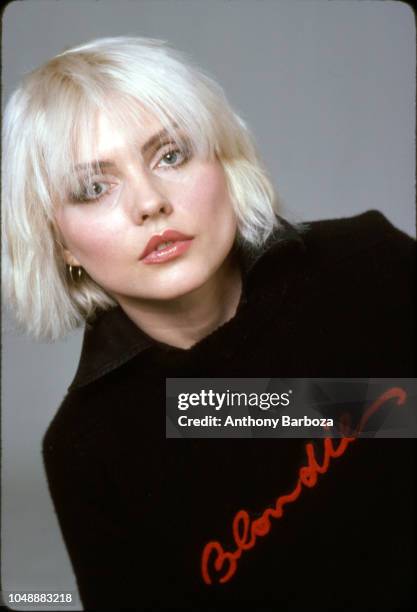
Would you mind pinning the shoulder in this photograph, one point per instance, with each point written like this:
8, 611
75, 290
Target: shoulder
355, 236
365, 254
366, 251
354, 292
76, 432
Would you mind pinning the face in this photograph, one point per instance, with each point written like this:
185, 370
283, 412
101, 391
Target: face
106, 229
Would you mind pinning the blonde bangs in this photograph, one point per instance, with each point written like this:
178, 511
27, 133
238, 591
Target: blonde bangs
121, 88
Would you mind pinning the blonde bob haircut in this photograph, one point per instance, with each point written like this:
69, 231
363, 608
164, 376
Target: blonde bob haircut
50, 121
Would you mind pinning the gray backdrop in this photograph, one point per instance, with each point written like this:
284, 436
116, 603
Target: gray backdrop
328, 89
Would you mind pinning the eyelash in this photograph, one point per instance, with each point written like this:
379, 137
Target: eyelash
173, 148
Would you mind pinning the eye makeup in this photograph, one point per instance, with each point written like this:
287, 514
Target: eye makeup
169, 156
92, 191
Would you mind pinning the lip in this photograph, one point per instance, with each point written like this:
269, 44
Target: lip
181, 244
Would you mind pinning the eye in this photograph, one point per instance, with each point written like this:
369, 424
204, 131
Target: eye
172, 158
92, 191
96, 190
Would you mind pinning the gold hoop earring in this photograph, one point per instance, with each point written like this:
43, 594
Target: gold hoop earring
79, 273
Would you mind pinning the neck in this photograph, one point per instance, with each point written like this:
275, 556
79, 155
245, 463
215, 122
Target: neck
187, 319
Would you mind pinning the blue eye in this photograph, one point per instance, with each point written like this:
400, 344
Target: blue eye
94, 191
91, 192
97, 189
173, 158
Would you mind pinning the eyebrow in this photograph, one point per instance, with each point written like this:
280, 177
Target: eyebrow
108, 163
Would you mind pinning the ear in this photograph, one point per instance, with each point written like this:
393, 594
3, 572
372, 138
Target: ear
69, 258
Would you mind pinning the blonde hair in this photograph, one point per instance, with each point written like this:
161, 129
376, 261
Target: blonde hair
51, 117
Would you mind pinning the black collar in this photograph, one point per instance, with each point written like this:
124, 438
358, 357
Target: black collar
111, 338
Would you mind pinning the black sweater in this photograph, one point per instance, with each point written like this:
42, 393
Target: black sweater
136, 510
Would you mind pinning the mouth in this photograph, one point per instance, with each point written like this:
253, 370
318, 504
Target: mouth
165, 246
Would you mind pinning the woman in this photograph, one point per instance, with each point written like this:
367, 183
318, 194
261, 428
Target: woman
134, 201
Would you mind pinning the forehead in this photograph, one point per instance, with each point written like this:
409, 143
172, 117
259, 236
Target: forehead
110, 138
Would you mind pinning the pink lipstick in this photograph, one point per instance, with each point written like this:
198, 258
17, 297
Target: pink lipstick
165, 246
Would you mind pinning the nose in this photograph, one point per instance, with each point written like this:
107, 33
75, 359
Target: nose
148, 199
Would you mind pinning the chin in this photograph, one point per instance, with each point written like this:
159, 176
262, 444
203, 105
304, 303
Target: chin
178, 291
176, 288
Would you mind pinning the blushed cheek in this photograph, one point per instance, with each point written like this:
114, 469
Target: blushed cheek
87, 239
96, 246
206, 192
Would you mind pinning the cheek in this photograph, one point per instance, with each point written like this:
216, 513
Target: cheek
89, 237
206, 194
